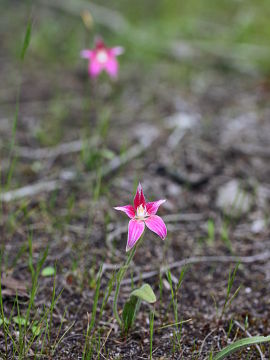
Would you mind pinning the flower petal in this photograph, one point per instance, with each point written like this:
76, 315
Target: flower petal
157, 225
152, 207
86, 54
135, 230
111, 66
127, 209
139, 197
94, 68
117, 50
99, 43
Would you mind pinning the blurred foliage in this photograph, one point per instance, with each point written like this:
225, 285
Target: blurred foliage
231, 27
239, 26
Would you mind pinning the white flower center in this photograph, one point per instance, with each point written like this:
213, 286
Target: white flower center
141, 212
102, 56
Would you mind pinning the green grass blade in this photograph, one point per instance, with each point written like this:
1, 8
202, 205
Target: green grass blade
151, 321
2, 306
26, 41
228, 350
107, 294
94, 311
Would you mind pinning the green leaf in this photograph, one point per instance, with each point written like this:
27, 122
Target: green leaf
145, 293
107, 154
26, 40
239, 344
48, 271
132, 306
36, 329
5, 320
20, 320
130, 311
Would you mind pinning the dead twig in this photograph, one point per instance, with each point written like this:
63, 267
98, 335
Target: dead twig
192, 180
201, 259
204, 341
185, 217
30, 190
13, 287
68, 175
250, 150
188, 217
62, 149
106, 339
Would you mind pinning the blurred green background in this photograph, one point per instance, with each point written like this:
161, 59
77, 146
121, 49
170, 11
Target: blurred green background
237, 30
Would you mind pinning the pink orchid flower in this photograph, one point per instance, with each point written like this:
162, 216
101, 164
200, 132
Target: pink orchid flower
102, 58
141, 214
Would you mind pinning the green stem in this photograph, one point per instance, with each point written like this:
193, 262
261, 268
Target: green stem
120, 275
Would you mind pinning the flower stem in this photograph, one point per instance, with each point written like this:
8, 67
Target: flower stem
120, 275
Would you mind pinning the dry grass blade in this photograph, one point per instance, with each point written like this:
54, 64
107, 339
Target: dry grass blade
249, 335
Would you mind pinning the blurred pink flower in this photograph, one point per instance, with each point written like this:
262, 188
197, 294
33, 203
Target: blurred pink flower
141, 214
102, 58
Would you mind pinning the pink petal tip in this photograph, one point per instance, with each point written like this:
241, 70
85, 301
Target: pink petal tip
135, 230
139, 197
157, 225
127, 209
152, 207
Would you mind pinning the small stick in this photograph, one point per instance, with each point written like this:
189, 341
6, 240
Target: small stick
68, 175
204, 341
53, 152
250, 150
201, 259
186, 217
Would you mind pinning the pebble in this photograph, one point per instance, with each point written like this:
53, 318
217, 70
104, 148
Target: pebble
232, 199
